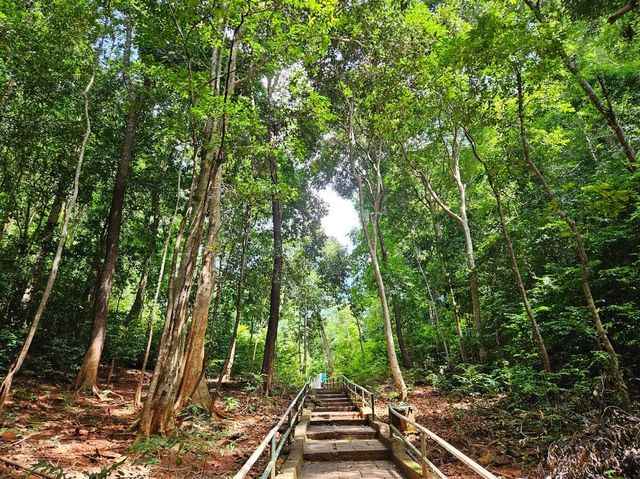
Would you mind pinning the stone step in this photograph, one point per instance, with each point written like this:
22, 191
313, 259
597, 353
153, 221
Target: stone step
350, 469
319, 432
345, 450
335, 408
332, 397
337, 404
339, 418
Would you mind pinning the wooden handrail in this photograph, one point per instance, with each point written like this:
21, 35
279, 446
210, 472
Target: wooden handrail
470, 463
359, 393
270, 439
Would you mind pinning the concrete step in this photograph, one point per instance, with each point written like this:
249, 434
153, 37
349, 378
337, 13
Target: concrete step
319, 432
332, 396
345, 450
350, 469
339, 418
335, 408
337, 404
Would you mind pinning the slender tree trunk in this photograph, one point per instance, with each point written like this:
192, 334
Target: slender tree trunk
138, 302
88, 375
276, 276
43, 249
305, 342
396, 372
325, 345
616, 373
137, 400
5, 387
8, 208
463, 222
452, 294
433, 311
8, 93
513, 260
606, 111
227, 367
360, 340
404, 353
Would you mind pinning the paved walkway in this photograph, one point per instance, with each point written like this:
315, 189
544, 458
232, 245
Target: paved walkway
341, 445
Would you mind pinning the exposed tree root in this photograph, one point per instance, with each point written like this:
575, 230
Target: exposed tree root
25, 467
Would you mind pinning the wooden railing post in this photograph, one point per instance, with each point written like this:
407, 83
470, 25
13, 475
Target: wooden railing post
274, 458
373, 407
423, 451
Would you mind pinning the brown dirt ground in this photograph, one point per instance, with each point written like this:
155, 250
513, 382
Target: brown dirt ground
475, 426
78, 435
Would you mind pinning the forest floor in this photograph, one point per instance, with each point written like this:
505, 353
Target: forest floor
72, 436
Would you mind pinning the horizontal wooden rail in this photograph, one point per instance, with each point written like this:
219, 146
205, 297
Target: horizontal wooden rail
290, 418
426, 433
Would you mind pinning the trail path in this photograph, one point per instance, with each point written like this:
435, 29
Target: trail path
341, 445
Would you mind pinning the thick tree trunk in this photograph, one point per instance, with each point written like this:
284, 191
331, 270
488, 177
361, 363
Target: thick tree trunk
616, 373
158, 411
5, 387
276, 275
88, 375
326, 346
167, 388
137, 400
276, 282
193, 368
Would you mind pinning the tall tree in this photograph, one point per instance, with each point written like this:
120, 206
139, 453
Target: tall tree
276, 275
87, 376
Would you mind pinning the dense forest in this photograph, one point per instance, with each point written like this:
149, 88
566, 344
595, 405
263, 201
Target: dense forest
161, 164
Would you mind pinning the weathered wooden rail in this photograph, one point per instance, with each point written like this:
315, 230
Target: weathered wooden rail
276, 439
422, 452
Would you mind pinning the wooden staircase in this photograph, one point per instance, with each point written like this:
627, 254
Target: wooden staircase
340, 444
